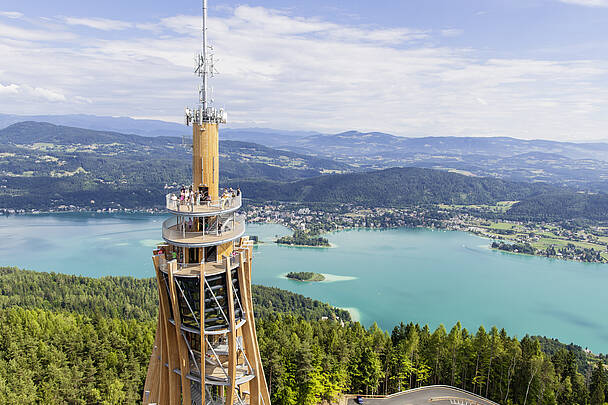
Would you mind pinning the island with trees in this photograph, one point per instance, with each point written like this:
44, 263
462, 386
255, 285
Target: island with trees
305, 276
304, 239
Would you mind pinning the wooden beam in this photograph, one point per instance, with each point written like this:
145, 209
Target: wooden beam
169, 390
248, 336
153, 376
265, 395
183, 360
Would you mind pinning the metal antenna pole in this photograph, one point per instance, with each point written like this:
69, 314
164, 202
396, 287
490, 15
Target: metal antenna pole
205, 66
205, 70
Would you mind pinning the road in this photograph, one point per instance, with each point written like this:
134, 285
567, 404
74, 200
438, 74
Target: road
440, 395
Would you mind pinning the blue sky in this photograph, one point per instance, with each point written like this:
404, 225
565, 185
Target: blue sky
522, 68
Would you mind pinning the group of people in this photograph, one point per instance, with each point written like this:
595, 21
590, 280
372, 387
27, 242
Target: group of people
192, 198
168, 255
230, 192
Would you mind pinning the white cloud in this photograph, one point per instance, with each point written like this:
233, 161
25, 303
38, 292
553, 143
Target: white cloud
451, 32
587, 3
99, 23
11, 14
9, 89
32, 93
13, 32
83, 100
289, 72
47, 94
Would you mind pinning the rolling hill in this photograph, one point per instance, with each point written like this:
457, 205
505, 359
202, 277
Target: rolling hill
570, 164
582, 165
408, 186
44, 165
396, 187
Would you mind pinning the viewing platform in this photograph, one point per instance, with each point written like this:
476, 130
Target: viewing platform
224, 205
194, 269
178, 234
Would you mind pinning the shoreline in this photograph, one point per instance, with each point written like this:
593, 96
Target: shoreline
471, 232
331, 245
160, 211
543, 256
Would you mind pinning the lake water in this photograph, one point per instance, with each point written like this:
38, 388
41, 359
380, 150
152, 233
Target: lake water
384, 276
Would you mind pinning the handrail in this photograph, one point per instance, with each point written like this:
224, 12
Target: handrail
234, 263
211, 206
172, 230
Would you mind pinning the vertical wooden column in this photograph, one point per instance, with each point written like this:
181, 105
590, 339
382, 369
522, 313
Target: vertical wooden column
198, 132
232, 360
183, 358
168, 382
258, 360
205, 157
248, 336
155, 375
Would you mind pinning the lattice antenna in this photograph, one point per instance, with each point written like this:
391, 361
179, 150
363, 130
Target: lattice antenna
205, 69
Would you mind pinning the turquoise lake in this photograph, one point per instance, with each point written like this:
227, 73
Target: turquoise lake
385, 276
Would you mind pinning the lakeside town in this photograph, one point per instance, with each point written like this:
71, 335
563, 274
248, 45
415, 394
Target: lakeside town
569, 241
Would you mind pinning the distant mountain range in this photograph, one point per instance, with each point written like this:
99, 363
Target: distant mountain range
44, 165
145, 127
580, 165
123, 125
373, 144
577, 165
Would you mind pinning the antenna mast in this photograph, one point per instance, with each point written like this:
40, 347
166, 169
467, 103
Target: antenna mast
205, 69
203, 65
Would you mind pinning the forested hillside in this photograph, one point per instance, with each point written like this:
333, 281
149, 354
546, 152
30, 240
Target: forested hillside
96, 348
396, 187
45, 166
559, 206
130, 298
582, 165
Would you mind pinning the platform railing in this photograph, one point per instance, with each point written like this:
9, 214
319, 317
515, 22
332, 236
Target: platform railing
234, 258
173, 230
230, 202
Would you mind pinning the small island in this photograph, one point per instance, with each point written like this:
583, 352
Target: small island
305, 276
301, 238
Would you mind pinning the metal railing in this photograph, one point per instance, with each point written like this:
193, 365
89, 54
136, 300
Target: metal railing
173, 203
173, 230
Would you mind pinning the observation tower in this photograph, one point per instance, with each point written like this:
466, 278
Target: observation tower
206, 349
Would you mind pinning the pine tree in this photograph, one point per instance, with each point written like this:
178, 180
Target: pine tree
599, 381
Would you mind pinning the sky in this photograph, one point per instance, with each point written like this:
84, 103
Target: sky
533, 69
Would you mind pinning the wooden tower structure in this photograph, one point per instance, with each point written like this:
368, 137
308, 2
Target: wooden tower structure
206, 350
